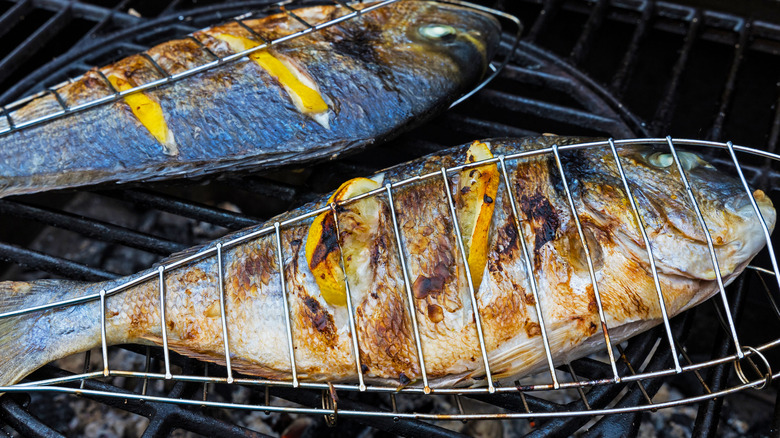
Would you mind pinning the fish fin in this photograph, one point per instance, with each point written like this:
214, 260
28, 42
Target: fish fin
29, 341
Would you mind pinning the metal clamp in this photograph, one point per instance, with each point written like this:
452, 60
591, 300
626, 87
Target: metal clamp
330, 402
768, 376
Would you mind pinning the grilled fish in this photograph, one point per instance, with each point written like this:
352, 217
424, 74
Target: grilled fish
314, 97
364, 241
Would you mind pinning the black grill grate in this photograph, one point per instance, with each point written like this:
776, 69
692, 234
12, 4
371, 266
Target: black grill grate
685, 71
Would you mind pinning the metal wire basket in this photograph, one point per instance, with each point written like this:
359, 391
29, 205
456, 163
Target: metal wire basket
612, 371
8, 125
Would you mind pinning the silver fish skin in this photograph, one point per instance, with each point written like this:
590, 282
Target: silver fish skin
375, 76
321, 333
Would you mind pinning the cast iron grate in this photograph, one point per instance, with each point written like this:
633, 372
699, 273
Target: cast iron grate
537, 93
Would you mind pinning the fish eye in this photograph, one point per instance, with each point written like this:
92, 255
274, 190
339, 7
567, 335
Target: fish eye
660, 159
688, 160
438, 32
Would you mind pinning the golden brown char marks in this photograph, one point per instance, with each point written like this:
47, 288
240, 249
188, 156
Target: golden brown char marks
507, 313
382, 316
319, 347
251, 270
177, 56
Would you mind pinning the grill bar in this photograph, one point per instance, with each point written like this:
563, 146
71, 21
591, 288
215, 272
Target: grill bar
186, 208
585, 41
13, 413
620, 80
34, 42
54, 265
627, 424
728, 90
774, 133
709, 413
547, 110
101, 23
549, 9
665, 110
90, 11
403, 426
92, 228
13, 15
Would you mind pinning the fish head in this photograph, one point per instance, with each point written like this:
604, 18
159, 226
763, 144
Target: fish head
671, 219
455, 42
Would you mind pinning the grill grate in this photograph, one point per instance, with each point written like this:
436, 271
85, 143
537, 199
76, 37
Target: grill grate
535, 91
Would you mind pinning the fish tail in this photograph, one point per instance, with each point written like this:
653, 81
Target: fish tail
29, 340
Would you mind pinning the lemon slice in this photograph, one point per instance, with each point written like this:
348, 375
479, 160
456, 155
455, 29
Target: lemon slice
477, 189
358, 222
300, 88
148, 112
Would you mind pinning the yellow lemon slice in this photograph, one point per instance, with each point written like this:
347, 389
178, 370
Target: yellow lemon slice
146, 110
477, 189
358, 221
300, 88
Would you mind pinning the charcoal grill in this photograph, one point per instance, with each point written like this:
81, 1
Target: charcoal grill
550, 93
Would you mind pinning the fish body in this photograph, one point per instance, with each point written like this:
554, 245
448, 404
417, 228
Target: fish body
312, 97
438, 283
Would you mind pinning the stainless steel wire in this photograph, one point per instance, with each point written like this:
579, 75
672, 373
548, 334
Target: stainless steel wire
589, 260
529, 269
350, 306
469, 281
648, 248
710, 247
223, 313
285, 305
407, 286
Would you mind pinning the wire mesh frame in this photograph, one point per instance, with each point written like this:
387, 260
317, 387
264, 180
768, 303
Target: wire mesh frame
330, 408
218, 61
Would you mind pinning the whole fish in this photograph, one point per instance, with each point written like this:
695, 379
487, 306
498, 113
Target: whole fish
334, 90
365, 242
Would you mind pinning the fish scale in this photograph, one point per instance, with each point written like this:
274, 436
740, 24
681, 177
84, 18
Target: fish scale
520, 315
245, 115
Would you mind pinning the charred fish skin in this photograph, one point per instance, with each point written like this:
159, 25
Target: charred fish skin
311, 98
440, 298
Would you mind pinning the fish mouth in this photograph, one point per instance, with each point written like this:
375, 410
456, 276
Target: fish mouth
744, 228
736, 233
746, 209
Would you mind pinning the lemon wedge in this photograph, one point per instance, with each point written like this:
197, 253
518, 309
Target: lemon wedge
148, 112
358, 222
301, 90
477, 190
